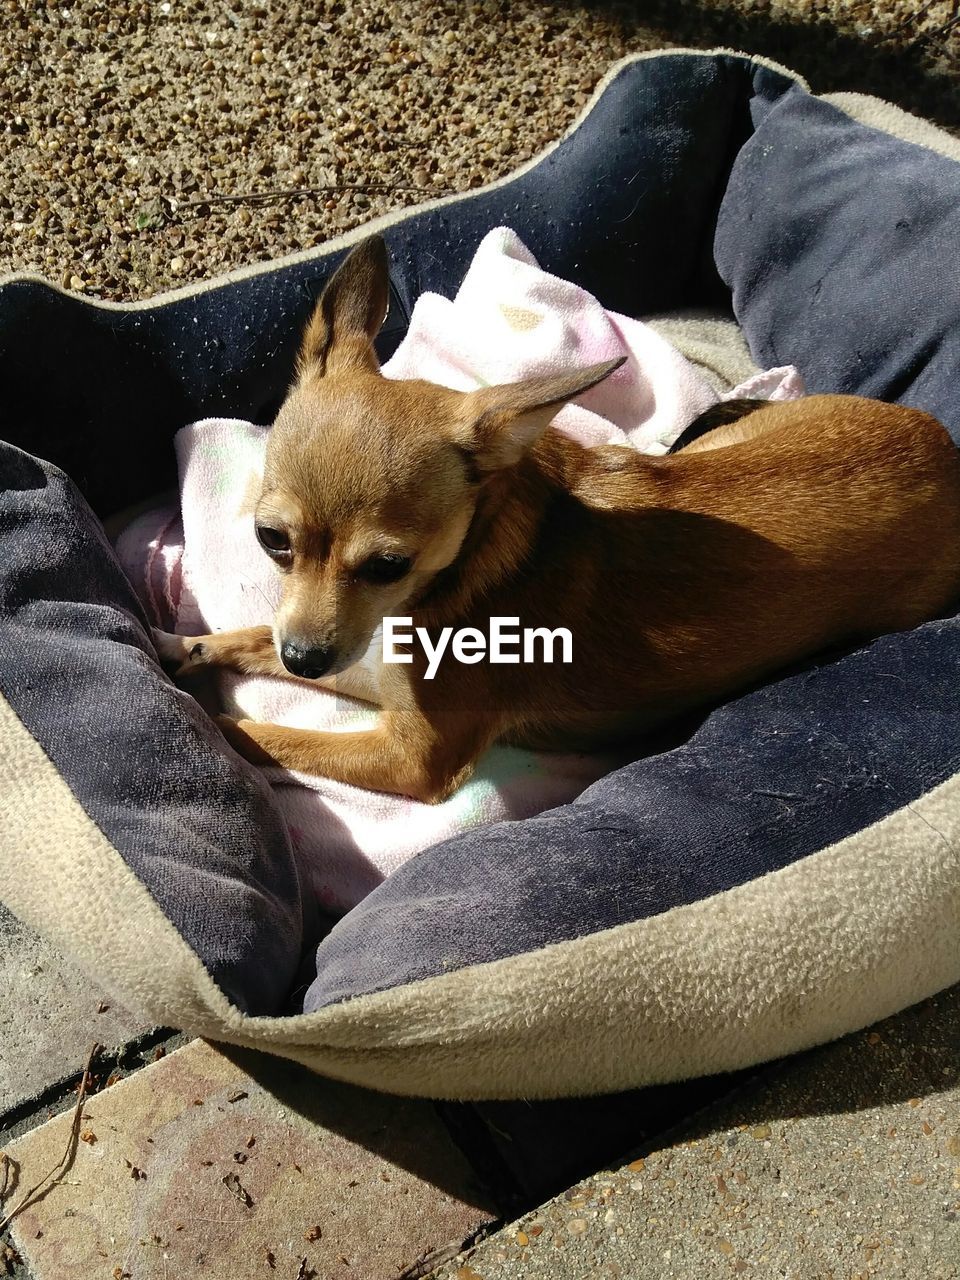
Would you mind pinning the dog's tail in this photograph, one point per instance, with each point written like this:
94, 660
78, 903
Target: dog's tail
718, 415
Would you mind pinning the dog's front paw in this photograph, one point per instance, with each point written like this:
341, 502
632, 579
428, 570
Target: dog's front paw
180, 655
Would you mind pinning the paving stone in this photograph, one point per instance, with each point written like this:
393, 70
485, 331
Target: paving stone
243, 1166
50, 1014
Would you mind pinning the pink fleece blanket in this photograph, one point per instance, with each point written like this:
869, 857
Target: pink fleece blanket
200, 568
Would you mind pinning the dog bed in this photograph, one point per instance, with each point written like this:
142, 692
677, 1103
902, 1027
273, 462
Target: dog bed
784, 871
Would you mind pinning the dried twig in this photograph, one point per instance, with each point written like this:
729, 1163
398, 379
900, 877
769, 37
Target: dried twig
913, 18
945, 53
429, 1261
298, 193
932, 38
50, 1179
944, 30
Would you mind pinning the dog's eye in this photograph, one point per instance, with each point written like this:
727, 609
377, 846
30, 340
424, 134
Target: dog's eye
386, 568
274, 541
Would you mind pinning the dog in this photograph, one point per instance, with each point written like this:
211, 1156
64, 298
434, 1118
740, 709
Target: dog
680, 579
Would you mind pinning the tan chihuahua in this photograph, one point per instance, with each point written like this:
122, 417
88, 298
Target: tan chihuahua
679, 579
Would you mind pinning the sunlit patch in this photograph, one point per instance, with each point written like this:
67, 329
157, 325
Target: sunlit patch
498, 770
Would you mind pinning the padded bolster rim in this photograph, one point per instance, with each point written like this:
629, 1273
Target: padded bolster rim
836, 941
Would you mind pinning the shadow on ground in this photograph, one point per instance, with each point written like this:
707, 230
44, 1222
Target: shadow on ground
362, 1116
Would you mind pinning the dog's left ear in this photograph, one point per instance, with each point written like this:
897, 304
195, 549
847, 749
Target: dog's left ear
501, 423
351, 310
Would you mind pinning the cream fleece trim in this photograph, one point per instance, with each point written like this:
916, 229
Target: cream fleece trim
391, 219
829, 944
877, 114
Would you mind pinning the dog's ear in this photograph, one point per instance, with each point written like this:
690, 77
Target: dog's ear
501, 423
348, 316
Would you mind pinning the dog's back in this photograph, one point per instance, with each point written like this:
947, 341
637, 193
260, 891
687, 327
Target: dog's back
864, 495
831, 520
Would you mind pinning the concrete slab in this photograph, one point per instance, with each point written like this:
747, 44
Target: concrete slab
243, 1166
842, 1164
49, 1016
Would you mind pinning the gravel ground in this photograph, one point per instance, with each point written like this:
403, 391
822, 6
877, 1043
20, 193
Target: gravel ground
147, 144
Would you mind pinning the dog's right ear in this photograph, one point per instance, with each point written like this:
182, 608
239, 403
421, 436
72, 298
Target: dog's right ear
500, 423
348, 316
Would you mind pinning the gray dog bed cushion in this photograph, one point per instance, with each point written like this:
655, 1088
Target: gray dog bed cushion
784, 871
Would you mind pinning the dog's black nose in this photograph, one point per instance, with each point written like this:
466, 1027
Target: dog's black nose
309, 663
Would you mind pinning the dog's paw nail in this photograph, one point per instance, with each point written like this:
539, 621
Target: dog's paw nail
180, 655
